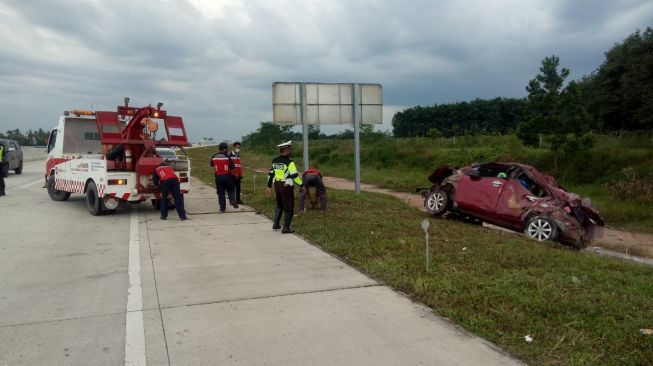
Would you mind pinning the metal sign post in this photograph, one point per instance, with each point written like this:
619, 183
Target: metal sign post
304, 119
425, 227
355, 96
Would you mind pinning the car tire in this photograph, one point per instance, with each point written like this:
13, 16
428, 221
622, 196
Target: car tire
19, 170
56, 195
437, 202
93, 201
541, 228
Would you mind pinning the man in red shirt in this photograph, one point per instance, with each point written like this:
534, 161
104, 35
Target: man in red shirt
313, 178
224, 170
238, 171
164, 177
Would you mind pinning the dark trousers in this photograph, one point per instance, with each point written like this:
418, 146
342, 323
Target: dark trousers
172, 186
285, 198
2, 180
224, 184
237, 181
313, 180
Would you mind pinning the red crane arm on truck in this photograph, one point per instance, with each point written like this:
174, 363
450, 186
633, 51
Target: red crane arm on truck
111, 131
134, 143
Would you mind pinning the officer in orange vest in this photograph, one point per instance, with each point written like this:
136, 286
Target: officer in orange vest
238, 171
164, 177
224, 169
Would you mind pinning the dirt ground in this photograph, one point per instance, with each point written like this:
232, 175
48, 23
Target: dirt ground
638, 244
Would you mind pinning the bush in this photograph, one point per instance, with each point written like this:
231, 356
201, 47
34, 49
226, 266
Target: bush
634, 185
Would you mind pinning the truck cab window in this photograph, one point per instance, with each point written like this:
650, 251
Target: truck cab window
52, 140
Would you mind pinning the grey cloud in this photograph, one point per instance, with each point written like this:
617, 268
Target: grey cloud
217, 71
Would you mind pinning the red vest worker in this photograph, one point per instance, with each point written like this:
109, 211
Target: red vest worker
164, 177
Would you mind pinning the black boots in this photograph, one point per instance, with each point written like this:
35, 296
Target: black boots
286, 224
277, 219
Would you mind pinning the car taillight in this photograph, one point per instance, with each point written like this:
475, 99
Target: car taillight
117, 182
183, 180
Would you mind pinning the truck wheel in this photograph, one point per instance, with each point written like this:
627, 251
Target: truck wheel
19, 170
56, 195
93, 202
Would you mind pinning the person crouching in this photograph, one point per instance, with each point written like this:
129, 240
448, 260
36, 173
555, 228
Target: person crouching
164, 177
312, 178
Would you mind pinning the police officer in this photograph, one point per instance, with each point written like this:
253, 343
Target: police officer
238, 172
164, 177
312, 178
224, 169
2, 170
284, 175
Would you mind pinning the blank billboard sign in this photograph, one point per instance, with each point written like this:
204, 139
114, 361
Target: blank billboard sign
326, 103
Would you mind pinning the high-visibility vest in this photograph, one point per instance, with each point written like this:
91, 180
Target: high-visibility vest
238, 170
165, 173
2, 152
284, 170
221, 165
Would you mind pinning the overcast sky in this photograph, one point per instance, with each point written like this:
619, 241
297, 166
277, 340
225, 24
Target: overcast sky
213, 62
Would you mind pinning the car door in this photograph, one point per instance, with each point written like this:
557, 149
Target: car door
478, 195
515, 198
12, 155
511, 203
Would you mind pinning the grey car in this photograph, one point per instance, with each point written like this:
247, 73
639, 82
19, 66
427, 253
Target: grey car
13, 157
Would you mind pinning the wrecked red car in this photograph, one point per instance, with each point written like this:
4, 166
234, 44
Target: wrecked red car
517, 197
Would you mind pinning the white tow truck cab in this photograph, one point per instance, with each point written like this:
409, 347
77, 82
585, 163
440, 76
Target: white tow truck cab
110, 156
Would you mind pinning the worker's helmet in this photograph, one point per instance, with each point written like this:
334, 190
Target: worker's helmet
222, 146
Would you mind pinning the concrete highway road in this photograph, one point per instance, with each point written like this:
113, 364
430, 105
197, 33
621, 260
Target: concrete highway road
218, 289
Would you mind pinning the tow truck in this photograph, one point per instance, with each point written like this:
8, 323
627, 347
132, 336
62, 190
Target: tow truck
109, 156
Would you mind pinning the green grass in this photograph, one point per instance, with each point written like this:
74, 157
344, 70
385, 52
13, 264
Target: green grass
497, 285
404, 164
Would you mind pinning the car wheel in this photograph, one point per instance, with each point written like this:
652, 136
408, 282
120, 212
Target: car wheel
19, 170
541, 228
55, 194
437, 202
93, 201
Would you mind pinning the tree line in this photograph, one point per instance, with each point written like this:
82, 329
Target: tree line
270, 134
618, 96
28, 138
496, 116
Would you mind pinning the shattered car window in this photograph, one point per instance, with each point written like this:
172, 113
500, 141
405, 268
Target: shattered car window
489, 170
526, 182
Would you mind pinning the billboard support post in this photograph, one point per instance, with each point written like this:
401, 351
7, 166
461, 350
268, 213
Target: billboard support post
355, 95
304, 118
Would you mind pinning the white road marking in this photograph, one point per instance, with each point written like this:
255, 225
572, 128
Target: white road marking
134, 329
31, 183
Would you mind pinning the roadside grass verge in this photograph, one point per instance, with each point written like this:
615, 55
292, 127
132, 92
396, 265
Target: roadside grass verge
580, 309
404, 164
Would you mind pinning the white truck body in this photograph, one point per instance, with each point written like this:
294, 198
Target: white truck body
76, 161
